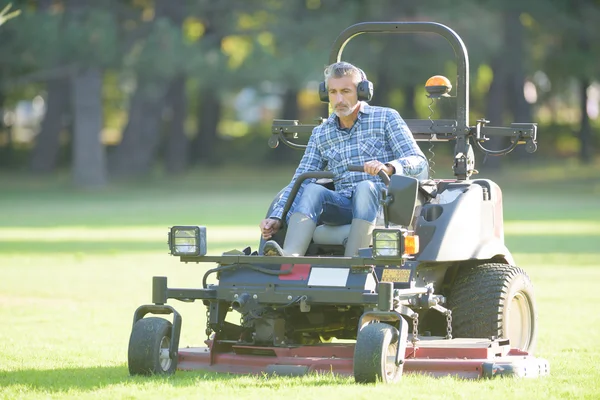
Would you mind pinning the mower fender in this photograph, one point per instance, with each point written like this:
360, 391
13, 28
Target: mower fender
493, 249
162, 309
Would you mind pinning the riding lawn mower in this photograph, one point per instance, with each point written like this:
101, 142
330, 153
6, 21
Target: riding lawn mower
437, 293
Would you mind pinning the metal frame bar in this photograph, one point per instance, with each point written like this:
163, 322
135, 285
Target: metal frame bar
460, 50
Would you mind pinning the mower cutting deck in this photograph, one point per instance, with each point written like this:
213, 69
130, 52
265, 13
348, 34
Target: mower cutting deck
464, 358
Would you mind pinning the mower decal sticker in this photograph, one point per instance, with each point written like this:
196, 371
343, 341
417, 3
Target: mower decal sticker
370, 283
299, 272
395, 275
328, 277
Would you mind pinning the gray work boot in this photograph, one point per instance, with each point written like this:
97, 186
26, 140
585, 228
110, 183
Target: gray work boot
299, 235
360, 236
272, 248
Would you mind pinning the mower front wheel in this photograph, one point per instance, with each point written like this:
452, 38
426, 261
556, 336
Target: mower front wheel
375, 354
149, 348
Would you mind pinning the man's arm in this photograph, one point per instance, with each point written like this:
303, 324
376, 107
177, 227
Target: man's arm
312, 160
410, 160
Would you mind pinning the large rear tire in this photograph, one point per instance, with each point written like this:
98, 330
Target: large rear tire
374, 354
149, 348
494, 300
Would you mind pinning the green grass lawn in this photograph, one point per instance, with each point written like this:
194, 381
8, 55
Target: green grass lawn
75, 265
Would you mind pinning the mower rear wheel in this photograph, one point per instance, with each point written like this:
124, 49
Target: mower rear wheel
494, 300
149, 348
375, 354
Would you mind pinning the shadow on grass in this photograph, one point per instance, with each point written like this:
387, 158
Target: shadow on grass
92, 247
95, 378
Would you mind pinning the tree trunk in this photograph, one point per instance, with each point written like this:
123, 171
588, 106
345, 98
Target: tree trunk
209, 106
518, 106
176, 157
89, 163
209, 114
586, 150
134, 156
585, 133
506, 91
5, 137
176, 154
495, 110
137, 152
409, 106
47, 142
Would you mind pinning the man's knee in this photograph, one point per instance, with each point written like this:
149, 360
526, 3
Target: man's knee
366, 191
366, 201
313, 189
310, 202
312, 194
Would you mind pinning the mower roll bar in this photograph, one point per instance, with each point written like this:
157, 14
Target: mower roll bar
427, 129
462, 58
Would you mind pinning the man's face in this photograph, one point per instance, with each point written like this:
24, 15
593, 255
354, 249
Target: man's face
342, 95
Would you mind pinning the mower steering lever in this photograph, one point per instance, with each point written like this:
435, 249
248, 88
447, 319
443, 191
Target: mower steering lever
298, 183
360, 168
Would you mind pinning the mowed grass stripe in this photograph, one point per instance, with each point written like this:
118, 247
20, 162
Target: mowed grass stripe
249, 232
541, 228
520, 237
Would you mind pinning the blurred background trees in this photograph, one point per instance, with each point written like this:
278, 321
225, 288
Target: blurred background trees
118, 89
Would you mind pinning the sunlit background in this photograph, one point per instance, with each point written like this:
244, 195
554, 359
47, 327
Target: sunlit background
125, 88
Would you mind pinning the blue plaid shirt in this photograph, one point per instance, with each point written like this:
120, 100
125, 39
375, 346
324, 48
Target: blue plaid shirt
379, 133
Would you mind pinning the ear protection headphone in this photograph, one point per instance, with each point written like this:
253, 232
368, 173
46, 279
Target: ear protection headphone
364, 89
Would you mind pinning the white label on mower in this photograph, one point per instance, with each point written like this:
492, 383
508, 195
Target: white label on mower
328, 276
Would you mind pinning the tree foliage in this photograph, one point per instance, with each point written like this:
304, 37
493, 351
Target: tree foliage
181, 70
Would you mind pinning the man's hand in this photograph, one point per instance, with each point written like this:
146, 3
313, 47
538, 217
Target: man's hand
269, 227
373, 167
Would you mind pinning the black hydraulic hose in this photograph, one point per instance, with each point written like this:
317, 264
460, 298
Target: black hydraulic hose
291, 303
234, 266
502, 152
288, 143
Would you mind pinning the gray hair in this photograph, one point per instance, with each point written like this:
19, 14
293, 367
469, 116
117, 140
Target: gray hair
341, 69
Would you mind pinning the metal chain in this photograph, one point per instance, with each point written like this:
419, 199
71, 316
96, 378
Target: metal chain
415, 335
431, 157
449, 324
208, 328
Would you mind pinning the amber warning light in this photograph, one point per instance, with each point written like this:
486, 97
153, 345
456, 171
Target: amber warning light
438, 86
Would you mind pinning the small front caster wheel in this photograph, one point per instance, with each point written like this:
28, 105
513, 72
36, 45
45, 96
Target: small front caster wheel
149, 344
375, 354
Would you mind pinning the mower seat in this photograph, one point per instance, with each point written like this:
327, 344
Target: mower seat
331, 235
336, 235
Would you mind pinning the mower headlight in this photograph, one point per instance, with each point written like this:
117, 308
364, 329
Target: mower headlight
187, 240
391, 242
387, 243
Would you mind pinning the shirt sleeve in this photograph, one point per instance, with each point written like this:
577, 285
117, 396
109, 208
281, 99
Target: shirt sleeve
410, 160
312, 160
